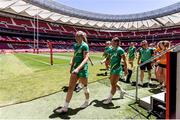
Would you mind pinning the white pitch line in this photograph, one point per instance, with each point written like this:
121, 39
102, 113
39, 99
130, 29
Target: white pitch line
54, 56
60, 57
40, 61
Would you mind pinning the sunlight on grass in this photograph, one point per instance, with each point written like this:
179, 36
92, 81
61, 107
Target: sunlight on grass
24, 78
28, 76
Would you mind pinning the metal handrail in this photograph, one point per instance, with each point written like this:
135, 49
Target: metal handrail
148, 61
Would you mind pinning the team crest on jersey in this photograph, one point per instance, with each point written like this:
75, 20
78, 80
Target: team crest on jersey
79, 51
115, 55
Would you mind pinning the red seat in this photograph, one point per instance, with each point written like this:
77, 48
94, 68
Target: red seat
3, 26
15, 27
23, 22
42, 25
56, 32
69, 29
6, 19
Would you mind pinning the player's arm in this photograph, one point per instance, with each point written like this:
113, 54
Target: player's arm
86, 57
139, 57
72, 63
103, 61
91, 61
125, 64
127, 52
135, 52
103, 54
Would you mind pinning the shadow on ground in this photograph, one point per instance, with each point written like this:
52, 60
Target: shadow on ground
67, 115
98, 103
155, 90
101, 74
71, 112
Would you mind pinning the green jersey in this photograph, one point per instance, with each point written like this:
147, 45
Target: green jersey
115, 60
78, 52
78, 55
131, 52
106, 51
145, 54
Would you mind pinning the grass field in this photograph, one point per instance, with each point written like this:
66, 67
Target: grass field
25, 77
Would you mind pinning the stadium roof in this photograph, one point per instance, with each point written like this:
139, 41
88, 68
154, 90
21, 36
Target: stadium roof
55, 12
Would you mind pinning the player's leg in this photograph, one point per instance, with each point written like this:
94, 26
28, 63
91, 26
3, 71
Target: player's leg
113, 79
161, 75
149, 76
159, 72
120, 90
85, 88
142, 74
107, 64
164, 71
149, 68
72, 84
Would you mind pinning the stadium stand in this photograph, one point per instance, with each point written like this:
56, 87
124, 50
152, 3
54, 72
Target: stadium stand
64, 32
26, 23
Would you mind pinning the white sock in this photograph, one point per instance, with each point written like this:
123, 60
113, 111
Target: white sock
87, 100
110, 96
124, 77
66, 104
118, 90
80, 85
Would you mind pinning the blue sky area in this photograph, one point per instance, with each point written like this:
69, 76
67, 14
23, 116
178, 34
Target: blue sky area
117, 6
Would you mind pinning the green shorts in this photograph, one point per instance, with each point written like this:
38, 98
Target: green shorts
83, 72
116, 71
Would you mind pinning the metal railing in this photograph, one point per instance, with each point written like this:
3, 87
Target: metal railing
148, 61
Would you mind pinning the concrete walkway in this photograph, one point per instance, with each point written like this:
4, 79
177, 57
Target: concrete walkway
43, 107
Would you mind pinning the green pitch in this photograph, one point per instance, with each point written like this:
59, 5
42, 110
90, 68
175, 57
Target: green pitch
25, 77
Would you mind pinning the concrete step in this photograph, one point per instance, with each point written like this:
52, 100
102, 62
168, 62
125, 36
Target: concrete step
146, 101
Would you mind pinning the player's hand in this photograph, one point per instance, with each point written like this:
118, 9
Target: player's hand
138, 62
75, 71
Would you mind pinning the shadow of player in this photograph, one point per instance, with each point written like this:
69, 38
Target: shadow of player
100, 104
72, 112
101, 74
102, 69
67, 115
76, 89
143, 86
155, 90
